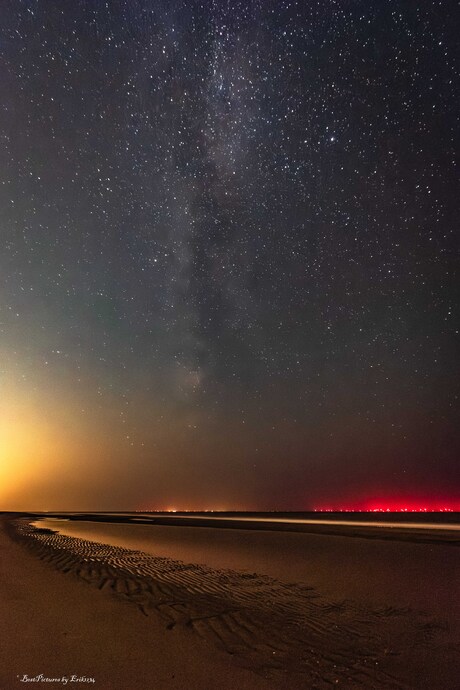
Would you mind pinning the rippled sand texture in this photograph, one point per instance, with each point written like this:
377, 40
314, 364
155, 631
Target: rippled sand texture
275, 628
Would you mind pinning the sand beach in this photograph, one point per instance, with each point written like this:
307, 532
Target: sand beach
118, 606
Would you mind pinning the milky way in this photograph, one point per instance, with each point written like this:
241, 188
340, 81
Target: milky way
228, 253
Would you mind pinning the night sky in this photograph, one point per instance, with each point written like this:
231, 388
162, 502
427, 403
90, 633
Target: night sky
228, 254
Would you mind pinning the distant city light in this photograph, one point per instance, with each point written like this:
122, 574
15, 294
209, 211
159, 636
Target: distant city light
385, 510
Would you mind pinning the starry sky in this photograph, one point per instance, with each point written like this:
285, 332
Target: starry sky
228, 253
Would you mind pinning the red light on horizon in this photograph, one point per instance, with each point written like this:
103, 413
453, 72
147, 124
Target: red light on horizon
388, 510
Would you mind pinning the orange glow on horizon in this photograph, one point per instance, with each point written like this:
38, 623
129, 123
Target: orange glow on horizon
26, 445
46, 452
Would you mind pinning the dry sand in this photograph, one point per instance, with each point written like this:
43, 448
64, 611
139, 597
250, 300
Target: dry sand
244, 610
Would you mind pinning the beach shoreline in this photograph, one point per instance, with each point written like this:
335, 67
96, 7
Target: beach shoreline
265, 632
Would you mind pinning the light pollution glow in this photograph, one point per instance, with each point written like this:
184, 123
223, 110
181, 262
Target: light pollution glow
63, 448
46, 450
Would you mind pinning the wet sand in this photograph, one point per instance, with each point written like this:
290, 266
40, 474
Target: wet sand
369, 571
250, 609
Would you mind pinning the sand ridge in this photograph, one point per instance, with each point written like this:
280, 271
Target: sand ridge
277, 629
57, 625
